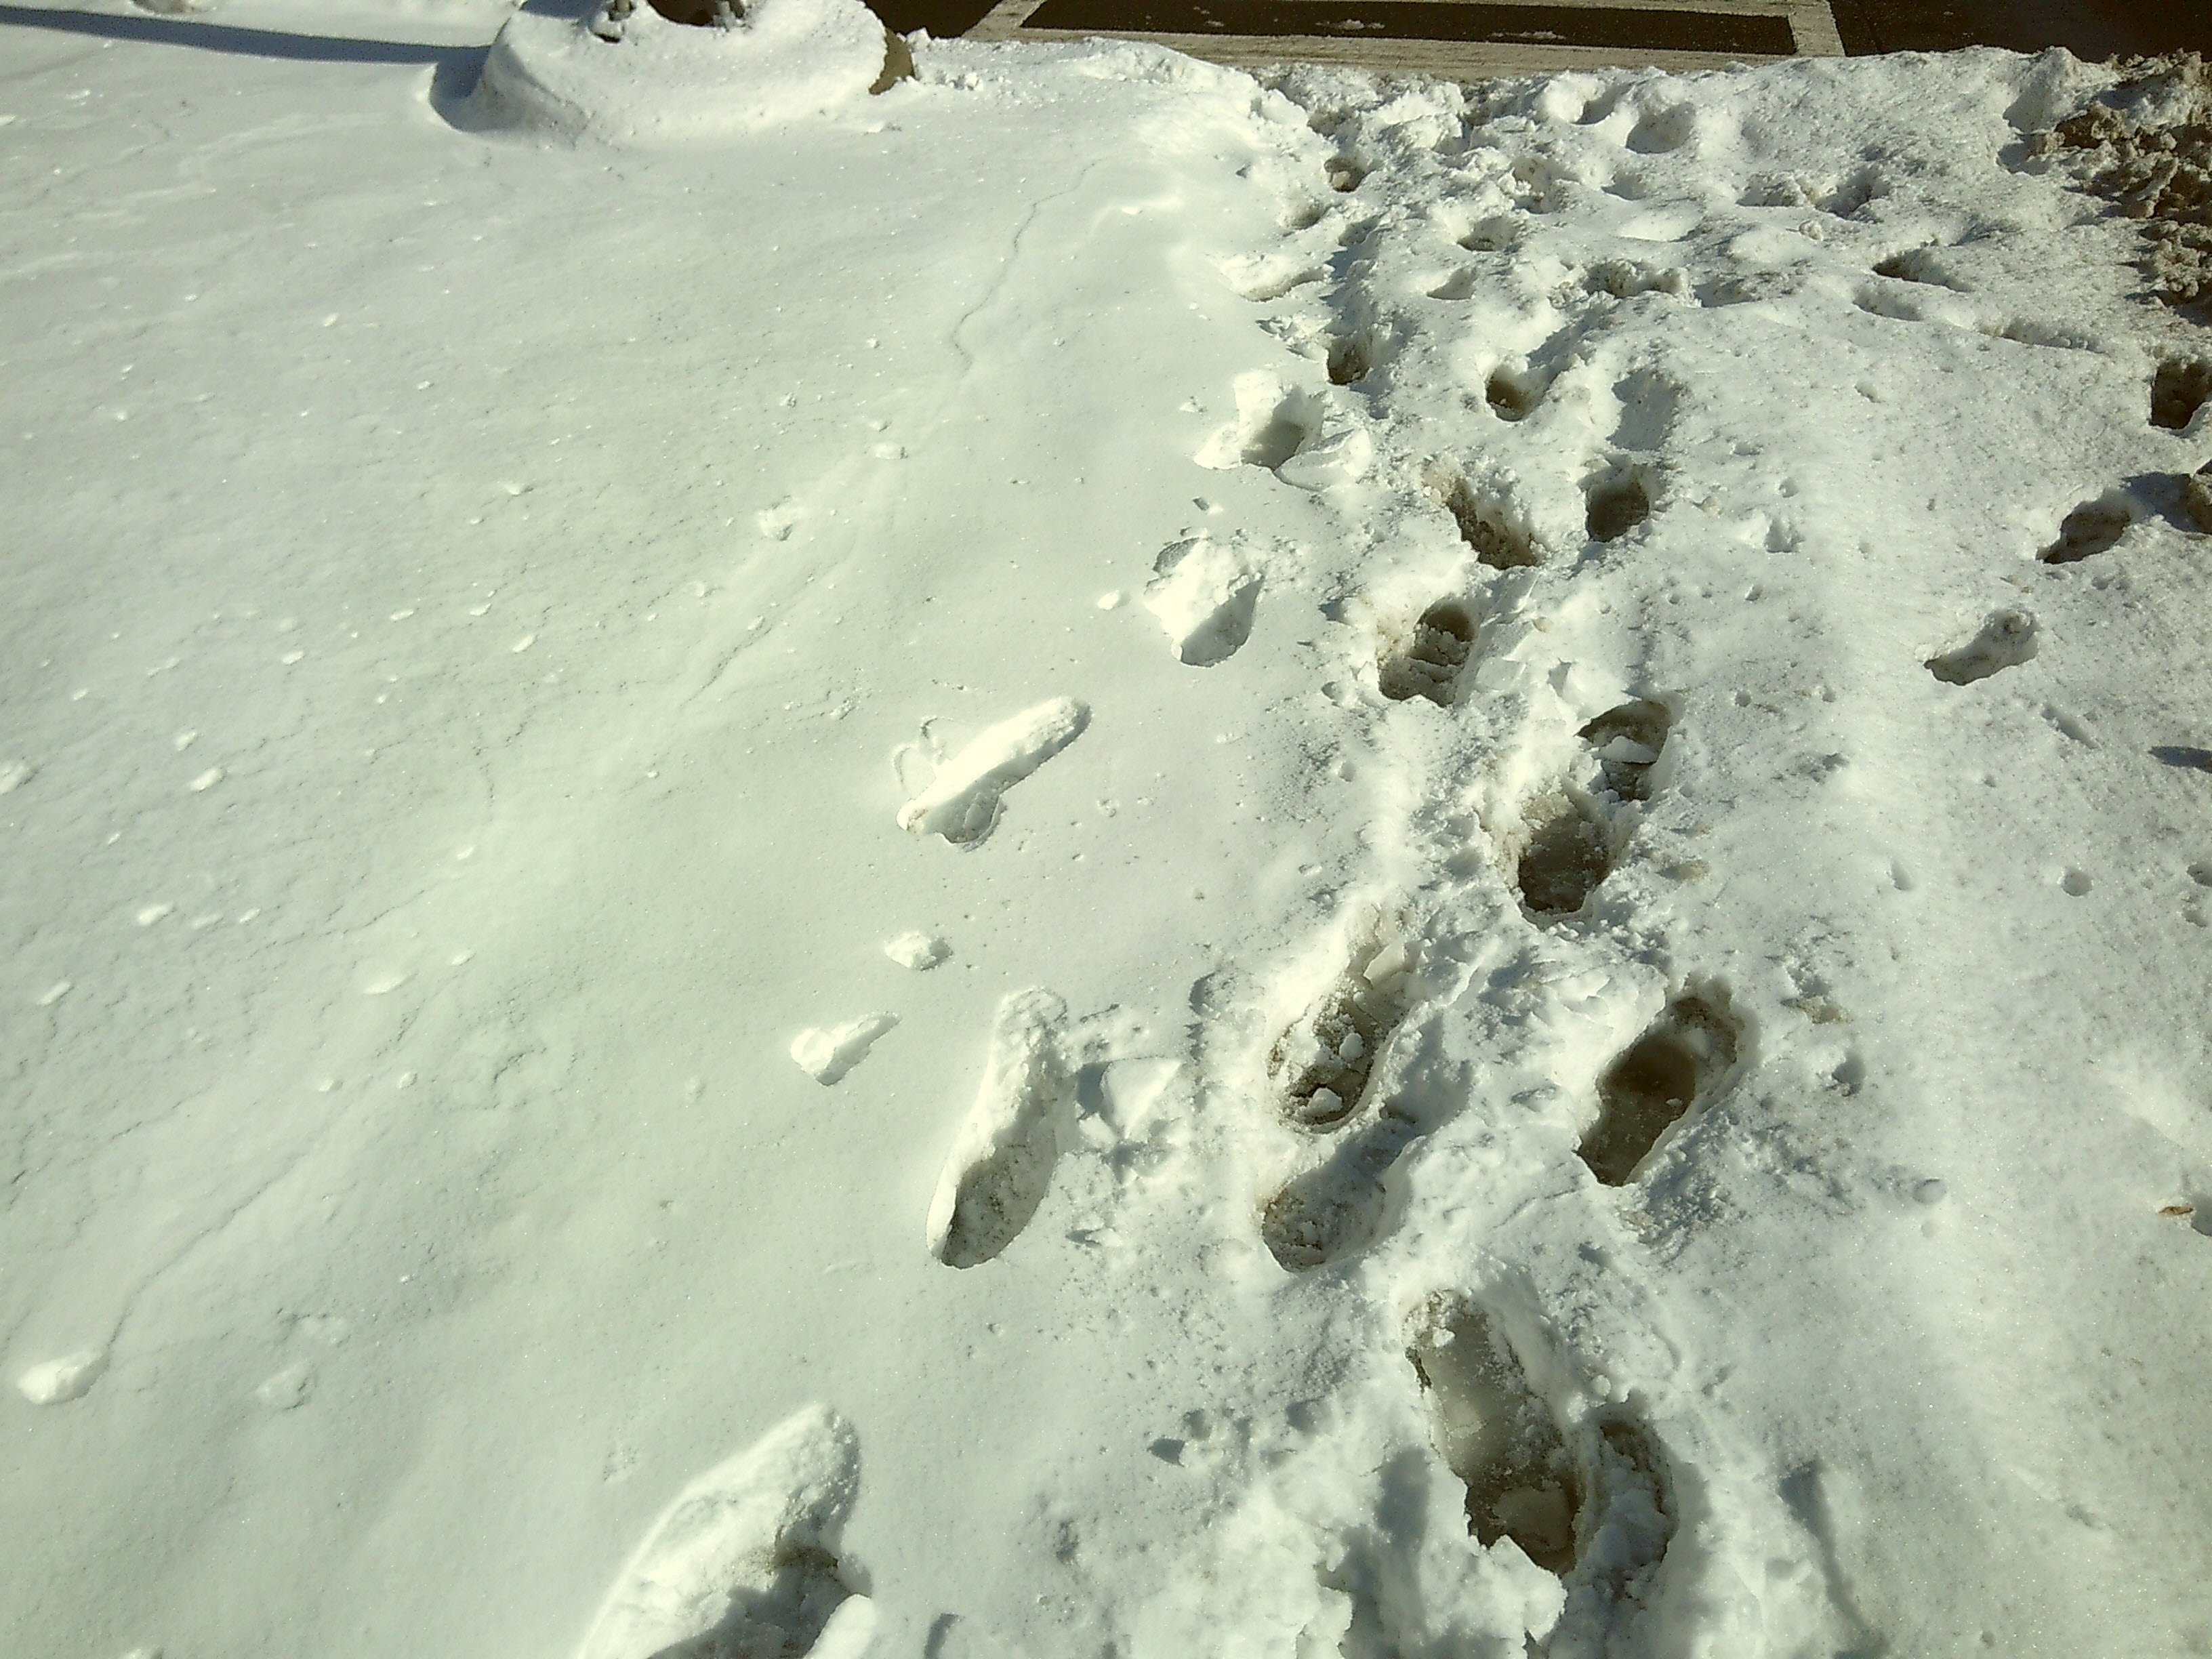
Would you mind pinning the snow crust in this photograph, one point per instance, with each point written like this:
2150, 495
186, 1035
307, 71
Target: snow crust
1548, 744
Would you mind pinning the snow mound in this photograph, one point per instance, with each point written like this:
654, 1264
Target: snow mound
593, 69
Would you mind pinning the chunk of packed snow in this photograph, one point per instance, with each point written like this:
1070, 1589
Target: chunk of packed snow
827, 1054
56, 1381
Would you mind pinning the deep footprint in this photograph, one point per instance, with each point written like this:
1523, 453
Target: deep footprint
1498, 1437
1569, 851
1566, 856
1321, 1064
1656, 1080
1482, 524
1599, 1513
1428, 663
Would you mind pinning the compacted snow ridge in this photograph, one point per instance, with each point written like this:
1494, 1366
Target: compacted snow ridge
1070, 857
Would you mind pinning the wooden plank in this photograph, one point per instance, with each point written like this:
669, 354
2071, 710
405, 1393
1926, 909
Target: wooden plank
1812, 26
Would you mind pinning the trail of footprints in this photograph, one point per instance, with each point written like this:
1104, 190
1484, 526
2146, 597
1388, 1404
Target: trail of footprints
1588, 1496
2180, 388
745, 1563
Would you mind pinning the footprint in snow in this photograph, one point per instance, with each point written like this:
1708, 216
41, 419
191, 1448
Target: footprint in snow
1321, 1065
1280, 429
1273, 423
1591, 1502
1619, 500
1626, 741
1497, 1436
1336, 1209
962, 801
2092, 528
2005, 639
1352, 358
1567, 850
1500, 541
1001, 1165
1675, 1066
1205, 594
1425, 661
745, 1563
826, 1054
1513, 392
1265, 278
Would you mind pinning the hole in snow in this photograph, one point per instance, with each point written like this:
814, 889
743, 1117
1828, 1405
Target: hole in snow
1350, 359
1430, 661
1663, 129
1915, 265
2178, 391
1655, 1081
1847, 197
1345, 174
1499, 233
1513, 396
1617, 505
1498, 1437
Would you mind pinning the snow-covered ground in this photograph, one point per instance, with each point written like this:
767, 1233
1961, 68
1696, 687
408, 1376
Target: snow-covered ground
1090, 861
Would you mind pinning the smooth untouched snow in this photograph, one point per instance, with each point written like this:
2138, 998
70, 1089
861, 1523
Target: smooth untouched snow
1583, 1032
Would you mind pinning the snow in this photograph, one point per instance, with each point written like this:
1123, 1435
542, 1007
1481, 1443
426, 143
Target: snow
1585, 1024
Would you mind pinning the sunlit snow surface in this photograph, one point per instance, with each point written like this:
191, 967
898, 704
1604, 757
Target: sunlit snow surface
1567, 979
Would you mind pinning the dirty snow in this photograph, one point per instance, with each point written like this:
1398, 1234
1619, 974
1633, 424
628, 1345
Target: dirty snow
1582, 1032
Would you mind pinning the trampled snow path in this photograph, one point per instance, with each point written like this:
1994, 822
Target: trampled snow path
1583, 695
